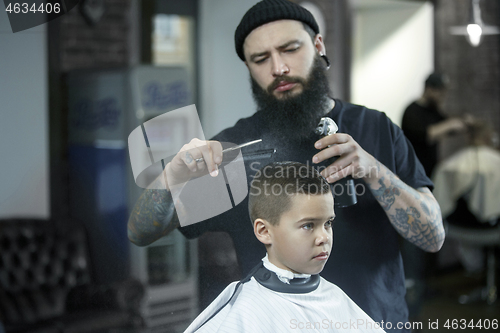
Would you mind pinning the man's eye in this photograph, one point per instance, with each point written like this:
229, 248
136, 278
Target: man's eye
260, 61
291, 50
329, 223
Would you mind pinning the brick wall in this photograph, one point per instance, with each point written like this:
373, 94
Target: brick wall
103, 45
474, 71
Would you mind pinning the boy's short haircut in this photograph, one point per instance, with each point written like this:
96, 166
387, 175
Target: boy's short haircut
273, 185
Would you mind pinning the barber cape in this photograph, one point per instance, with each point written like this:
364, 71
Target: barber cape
474, 172
274, 300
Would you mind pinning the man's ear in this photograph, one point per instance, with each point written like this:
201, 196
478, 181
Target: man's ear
319, 44
261, 230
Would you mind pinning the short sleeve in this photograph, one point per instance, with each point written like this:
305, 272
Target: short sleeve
408, 167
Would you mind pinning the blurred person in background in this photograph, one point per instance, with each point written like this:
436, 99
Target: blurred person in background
424, 123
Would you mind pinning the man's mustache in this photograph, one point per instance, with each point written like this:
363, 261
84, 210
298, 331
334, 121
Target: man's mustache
288, 79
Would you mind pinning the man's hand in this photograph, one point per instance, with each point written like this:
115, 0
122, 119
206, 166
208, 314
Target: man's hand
353, 160
414, 213
194, 159
437, 131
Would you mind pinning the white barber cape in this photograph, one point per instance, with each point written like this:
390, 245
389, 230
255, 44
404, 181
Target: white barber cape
474, 171
255, 308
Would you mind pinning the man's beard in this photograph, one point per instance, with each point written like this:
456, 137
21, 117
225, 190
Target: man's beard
295, 116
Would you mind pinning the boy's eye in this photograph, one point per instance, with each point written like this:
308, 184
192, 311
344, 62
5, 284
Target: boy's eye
307, 226
329, 223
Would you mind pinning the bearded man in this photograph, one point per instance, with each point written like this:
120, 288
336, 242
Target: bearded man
280, 44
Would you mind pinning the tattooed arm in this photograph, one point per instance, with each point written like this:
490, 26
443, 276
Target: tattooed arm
414, 213
153, 216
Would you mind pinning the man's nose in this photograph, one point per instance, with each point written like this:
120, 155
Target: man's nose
279, 66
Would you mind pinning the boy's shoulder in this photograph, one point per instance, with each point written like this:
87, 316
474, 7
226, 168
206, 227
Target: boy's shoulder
256, 308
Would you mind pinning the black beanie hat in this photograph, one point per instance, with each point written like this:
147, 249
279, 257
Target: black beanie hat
268, 11
436, 81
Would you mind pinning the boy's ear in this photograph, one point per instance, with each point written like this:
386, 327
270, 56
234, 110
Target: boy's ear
261, 231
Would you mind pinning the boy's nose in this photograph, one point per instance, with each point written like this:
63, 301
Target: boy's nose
324, 236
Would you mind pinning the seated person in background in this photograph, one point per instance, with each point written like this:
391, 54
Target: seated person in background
467, 187
291, 206
471, 177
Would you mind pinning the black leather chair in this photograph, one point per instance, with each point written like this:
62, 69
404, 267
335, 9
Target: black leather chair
46, 282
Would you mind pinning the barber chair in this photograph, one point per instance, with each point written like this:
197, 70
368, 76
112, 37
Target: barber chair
467, 187
46, 283
484, 235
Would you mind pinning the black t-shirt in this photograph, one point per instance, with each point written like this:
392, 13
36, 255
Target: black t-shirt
416, 121
365, 260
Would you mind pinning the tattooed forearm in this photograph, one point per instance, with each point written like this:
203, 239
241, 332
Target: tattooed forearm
424, 234
152, 217
414, 214
386, 196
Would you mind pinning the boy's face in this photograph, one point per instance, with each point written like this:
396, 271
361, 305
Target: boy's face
302, 241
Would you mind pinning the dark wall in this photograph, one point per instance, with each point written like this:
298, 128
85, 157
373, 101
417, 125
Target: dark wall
474, 72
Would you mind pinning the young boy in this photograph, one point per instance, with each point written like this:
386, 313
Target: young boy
291, 206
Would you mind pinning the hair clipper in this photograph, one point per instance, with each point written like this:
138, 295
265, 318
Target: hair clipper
343, 190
